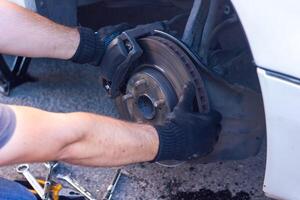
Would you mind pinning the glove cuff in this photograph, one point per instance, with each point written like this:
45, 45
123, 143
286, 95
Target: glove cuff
172, 143
90, 50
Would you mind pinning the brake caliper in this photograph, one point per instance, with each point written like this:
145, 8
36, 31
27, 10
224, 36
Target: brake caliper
121, 54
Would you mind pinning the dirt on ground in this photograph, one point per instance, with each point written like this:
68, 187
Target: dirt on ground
210, 195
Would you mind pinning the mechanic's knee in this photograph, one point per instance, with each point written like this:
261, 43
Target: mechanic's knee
10, 190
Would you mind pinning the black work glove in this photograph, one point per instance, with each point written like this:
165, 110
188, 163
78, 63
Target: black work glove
187, 134
108, 33
92, 46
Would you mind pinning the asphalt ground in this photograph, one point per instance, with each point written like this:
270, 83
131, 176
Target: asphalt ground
66, 87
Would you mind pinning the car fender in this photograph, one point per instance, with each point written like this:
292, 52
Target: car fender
272, 28
273, 31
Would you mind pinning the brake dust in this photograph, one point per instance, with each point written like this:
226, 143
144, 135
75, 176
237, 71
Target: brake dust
205, 194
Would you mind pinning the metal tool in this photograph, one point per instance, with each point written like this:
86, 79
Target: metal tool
69, 193
54, 190
111, 188
24, 169
48, 183
76, 185
57, 190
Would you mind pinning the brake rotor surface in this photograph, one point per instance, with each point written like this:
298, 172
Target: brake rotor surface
157, 82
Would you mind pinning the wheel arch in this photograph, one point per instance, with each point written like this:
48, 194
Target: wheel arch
272, 28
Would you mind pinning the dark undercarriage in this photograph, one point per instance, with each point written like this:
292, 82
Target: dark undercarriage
206, 45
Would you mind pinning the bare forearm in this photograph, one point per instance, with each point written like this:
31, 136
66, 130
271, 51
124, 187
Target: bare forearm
77, 138
110, 142
39, 136
28, 34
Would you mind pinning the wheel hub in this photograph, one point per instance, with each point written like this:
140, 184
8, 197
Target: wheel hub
149, 96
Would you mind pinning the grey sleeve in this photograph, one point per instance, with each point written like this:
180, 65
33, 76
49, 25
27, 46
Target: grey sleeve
7, 124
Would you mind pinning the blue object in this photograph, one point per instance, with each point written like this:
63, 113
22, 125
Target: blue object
10, 190
7, 124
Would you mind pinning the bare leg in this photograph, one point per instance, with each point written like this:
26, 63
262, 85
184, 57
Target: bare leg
26, 33
78, 138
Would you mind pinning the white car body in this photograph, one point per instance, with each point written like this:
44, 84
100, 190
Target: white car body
273, 31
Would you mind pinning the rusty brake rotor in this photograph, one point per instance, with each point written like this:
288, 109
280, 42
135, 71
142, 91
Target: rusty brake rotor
157, 82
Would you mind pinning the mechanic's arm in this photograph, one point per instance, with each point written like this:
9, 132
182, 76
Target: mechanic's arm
93, 140
26, 33
78, 138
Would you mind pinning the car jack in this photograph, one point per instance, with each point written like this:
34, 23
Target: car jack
14, 75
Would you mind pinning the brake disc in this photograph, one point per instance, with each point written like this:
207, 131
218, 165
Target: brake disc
156, 84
